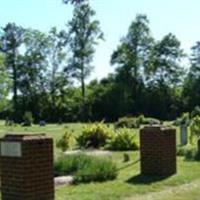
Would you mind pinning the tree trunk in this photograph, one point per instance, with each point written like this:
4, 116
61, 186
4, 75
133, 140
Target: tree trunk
83, 93
14, 86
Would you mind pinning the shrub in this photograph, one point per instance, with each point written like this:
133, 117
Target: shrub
86, 168
123, 140
94, 136
189, 152
28, 119
64, 142
127, 122
181, 150
70, 164
195, 128
131, 122
195, 112
183, 120
99, 169
148, 120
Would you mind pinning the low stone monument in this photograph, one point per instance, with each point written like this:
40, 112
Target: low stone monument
158, 151
26, 164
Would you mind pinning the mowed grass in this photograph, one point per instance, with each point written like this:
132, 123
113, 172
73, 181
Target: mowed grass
129, 185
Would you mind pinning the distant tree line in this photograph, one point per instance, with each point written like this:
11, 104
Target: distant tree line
45, 73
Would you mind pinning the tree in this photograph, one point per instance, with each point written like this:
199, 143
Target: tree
4, 84
32, 77
58, 41
164, 65
191, 91
11, 38
84, 34
73, 1
165, 76
131, 57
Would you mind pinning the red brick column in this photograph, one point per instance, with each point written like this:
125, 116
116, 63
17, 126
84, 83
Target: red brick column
27, 167
158, 151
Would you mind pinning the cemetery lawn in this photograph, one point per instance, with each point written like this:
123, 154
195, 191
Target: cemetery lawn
129, 185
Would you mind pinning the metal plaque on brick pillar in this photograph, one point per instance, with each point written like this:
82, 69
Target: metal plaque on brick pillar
158, 150
26, 164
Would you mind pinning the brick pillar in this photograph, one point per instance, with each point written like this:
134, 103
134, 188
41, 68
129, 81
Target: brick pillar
26, 163
158, 151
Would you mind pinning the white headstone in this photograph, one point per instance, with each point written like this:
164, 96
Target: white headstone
183, 134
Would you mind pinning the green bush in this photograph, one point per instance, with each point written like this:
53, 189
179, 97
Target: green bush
64, 143
132, 122
195, 112
99, 169
183, 120
148, 120
123, 140
94, 135
189, 152
69, 164
28, 119
127, 122
86, 168
182, 150
195, 128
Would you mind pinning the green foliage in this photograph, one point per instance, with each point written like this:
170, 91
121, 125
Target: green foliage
195, 112
73, 1
189, 152
195, 128
127, 122
28, 119
84, 34
4, 84
149, 76
94, 135
182, 150
65, 141
11, 38
86, 168
99, 170
147, 120
132, 122
183, 120
70, 164
123, 140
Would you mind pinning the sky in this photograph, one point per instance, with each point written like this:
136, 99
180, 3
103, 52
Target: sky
180, 17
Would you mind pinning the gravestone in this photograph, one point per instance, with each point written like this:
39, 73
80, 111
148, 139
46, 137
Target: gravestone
158, 151
183, 134
26, 164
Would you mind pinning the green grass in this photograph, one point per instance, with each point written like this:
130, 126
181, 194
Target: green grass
129, 185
